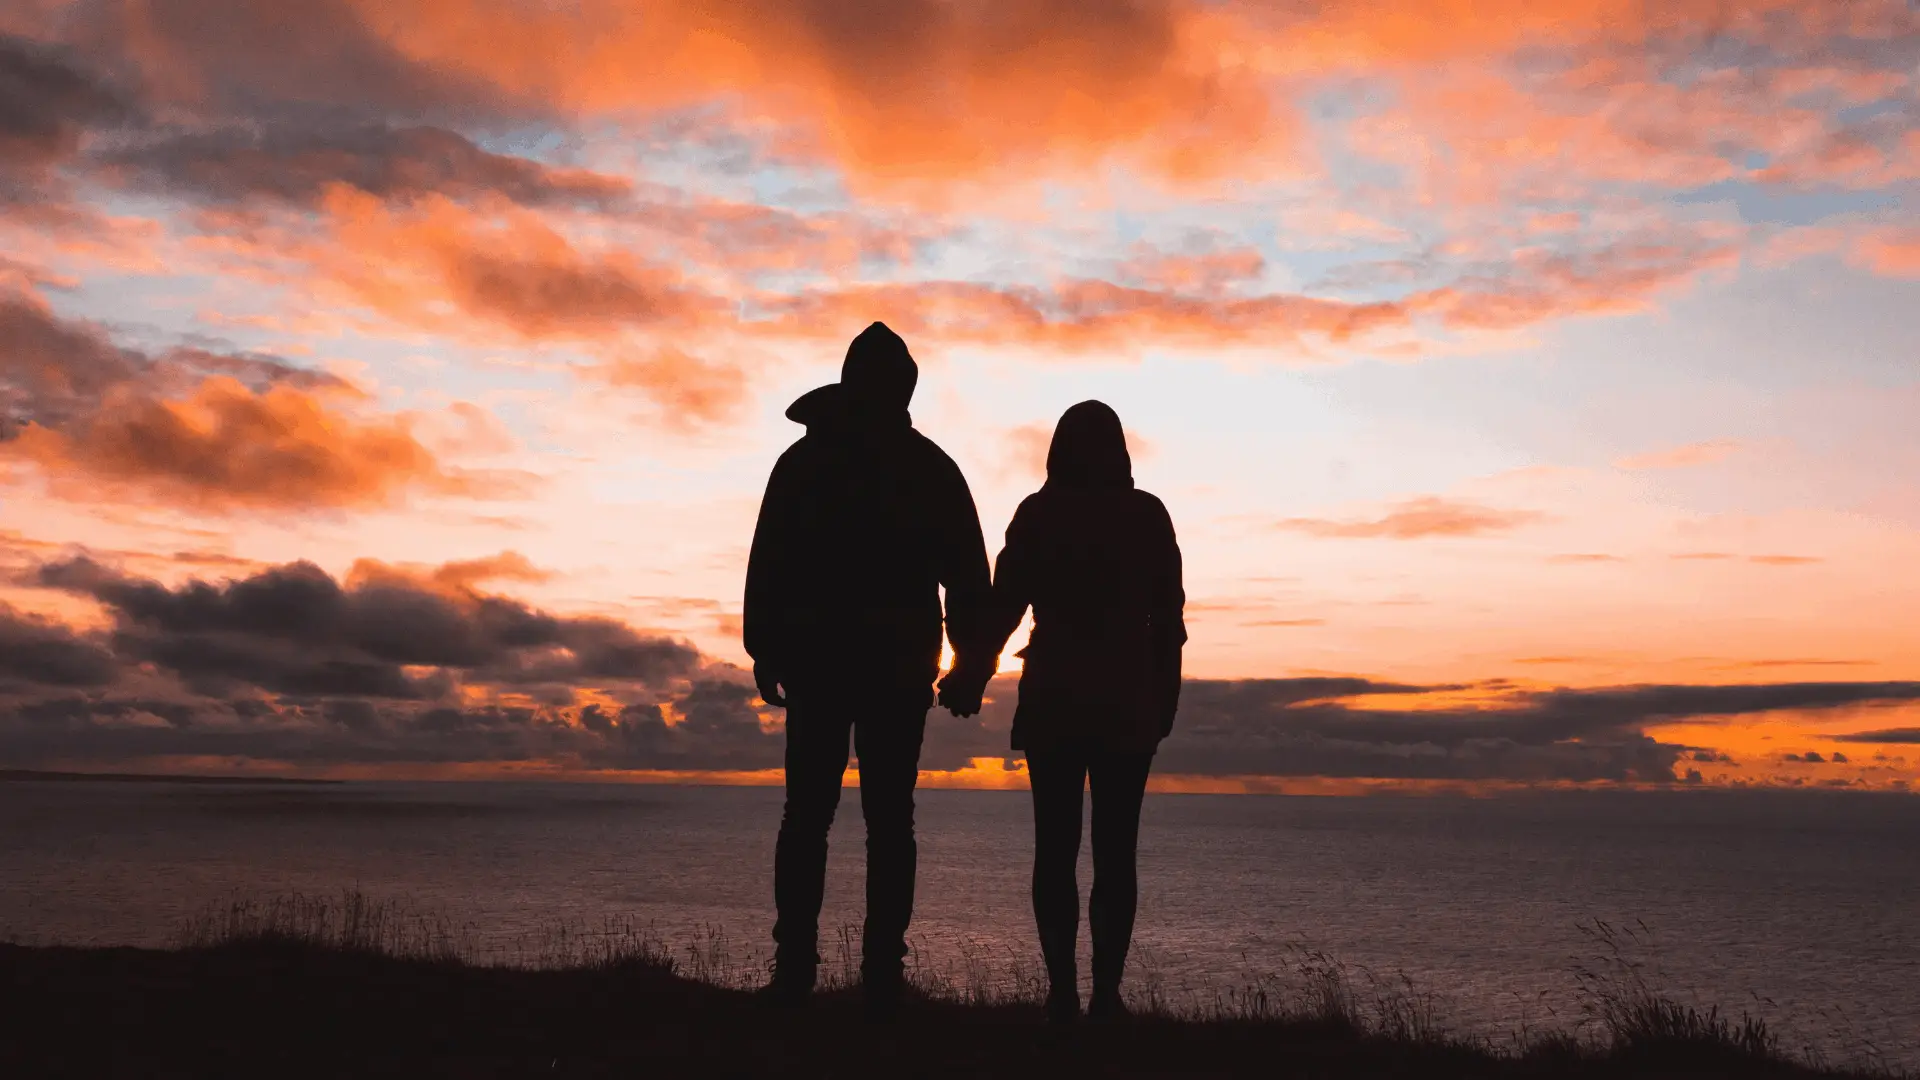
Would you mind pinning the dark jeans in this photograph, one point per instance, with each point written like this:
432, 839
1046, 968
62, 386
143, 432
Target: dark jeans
1119, 782
887, 738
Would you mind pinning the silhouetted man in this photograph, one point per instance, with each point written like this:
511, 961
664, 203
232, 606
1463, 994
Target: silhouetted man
863, 522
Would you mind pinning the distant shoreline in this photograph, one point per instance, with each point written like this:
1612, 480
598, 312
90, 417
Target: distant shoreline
17, 775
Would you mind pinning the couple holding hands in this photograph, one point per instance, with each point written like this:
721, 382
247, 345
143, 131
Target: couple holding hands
863, 524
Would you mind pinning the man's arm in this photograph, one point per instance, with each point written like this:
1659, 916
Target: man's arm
763, 616
969, 587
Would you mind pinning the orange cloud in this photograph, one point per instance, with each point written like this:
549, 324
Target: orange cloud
505, 265
896, 89
909, 93
1762, 560
1076, 315
298, 165
440, 265
1207, 272
508, 565
1541, 285
1844, 157
735, 238
227, 447
687, 390
1357, 33
922, 88
473, 271
1894, 252
210, 430
458, 578
1680, 457
1416, 519
900, 89
439, 230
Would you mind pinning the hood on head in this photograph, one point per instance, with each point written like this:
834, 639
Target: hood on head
876, 384
1089, 449
879, 373
819, 407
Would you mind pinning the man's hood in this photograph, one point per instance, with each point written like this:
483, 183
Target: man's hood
820, 406
827, 409
876, 384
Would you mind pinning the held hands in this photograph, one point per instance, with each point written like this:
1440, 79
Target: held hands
962, 689
768, 682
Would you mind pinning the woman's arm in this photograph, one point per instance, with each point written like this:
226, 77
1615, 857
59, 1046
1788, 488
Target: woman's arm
963, 688
1013, 578
1167, 619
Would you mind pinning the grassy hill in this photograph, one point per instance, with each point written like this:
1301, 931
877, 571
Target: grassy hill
342, 990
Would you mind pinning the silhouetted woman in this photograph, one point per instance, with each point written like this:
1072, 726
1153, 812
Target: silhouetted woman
1096, 559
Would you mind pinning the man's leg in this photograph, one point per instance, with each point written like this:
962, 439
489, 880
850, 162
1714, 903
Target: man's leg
1058, 779
816, 760
888, 743
1119, 784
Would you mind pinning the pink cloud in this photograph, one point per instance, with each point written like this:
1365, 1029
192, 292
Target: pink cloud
1418, 519
1682, 457
1892, 251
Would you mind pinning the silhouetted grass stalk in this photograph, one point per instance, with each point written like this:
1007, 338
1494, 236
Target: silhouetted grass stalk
1622, 1015
1622, 1005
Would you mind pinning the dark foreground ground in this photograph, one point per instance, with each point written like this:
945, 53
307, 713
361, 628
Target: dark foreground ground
288, 1009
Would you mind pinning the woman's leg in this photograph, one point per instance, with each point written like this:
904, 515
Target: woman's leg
1057, 779
1119, 783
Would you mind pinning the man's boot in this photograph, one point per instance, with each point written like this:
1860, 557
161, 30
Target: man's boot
791, 984
881, 988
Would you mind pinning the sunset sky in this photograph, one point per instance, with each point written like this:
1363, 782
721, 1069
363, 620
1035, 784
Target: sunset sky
387, 386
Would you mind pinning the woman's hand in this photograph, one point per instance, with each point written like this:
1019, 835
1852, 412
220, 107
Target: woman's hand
963, 688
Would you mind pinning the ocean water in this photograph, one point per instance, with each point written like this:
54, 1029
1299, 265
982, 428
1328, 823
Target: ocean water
1802, 908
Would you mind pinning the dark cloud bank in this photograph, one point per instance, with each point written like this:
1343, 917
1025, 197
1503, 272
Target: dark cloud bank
48, 101
267, 131
293, 666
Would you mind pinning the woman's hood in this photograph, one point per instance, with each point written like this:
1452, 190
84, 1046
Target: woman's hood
1089, 449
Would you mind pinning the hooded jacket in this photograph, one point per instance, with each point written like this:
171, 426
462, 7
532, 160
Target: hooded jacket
864, 521
1097, 560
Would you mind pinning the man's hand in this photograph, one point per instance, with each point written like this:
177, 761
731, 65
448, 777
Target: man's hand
769, 683
963, 688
